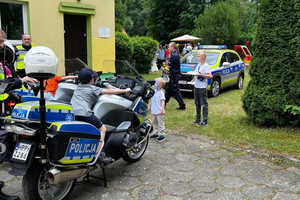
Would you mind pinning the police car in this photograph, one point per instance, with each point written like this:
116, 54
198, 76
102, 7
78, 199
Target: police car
226, 67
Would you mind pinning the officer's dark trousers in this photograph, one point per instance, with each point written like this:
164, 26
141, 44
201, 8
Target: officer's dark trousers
173, 90
159, 63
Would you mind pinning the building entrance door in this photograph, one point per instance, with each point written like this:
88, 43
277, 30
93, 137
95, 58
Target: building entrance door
75, 39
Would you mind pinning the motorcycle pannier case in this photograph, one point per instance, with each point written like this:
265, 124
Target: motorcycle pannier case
72, 142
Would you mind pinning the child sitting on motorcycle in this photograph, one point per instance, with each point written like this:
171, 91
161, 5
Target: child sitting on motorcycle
85, 97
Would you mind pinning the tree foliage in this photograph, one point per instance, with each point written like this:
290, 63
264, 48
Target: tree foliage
219, 25
164, 20
131, 15
122, 19
275, 74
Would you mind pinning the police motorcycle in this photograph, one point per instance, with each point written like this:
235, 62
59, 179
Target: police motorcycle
53, 150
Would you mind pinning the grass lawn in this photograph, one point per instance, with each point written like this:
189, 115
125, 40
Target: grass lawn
229, 124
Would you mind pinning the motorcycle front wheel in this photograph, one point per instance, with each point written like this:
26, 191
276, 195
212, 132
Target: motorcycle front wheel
36, 186
136, 153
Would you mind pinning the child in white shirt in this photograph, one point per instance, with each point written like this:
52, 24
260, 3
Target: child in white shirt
157, 106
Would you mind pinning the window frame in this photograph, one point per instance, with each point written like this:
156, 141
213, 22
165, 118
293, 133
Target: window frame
233, 57
225, 54
25, 20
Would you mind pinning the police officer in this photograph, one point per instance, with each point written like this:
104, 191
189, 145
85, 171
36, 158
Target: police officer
174, 69
21, 51
7, 57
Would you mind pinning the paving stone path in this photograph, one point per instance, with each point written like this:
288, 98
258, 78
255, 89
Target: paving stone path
185, 167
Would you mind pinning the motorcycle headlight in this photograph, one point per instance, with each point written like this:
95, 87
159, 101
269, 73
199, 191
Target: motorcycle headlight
9, 128
20, 130
29, 132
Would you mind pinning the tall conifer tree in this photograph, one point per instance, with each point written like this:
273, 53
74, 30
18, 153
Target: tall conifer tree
274, 70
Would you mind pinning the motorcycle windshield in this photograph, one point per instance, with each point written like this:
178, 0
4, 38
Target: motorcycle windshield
108, 69
121, 67
74, 65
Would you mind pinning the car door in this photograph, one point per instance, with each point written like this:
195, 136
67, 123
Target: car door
225, 70
234, 68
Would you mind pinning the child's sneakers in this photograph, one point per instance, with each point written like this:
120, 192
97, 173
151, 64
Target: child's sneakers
160, 138
154, 136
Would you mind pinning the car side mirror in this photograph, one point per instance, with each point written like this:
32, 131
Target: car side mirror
226, 64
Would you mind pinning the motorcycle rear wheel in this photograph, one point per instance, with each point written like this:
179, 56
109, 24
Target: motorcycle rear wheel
36, 186
136, 153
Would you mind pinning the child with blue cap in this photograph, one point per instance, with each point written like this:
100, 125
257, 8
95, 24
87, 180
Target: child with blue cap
84, 98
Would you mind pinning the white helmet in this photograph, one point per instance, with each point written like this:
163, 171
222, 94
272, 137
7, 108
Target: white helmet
9, 52
40, 62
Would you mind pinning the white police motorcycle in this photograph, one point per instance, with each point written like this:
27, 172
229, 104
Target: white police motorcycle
53, 150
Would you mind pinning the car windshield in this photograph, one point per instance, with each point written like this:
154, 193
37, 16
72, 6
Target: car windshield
191, 58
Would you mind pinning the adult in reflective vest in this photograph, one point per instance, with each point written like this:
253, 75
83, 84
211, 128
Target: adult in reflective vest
21, 51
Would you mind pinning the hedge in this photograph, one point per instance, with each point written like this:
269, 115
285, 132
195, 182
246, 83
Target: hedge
124, 47
144, 50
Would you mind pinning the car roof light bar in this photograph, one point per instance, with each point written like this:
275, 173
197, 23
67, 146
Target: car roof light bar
213, 47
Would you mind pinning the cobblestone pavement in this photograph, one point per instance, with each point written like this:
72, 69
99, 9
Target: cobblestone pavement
188, 168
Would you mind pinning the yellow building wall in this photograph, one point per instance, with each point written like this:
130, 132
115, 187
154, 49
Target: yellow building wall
46, 26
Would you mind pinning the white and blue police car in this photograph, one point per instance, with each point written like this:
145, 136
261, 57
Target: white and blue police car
226, 67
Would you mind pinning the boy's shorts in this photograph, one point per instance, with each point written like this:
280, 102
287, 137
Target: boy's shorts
91, 119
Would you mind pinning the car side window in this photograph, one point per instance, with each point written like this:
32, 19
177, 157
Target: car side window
233, 57
224, 58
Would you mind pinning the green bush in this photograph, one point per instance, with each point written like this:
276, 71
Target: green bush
124, 47
144, 50
294, 110
274, 70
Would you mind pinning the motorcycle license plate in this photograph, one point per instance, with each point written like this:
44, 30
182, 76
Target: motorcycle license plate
21, 151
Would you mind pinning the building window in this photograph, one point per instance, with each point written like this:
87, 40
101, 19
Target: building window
13, 20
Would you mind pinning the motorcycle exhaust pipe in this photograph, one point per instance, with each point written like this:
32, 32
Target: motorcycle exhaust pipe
58, 176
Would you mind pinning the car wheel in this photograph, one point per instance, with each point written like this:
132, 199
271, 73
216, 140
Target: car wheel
240, 83
215, 88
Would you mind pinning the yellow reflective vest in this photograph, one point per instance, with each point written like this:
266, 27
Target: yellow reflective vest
2, 96
22, 53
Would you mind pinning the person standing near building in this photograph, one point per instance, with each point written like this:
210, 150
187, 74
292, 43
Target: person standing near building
203, 72
21, 51
160, 57
174, 69
167, 54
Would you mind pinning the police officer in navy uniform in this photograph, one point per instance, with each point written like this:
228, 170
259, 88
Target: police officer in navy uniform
174, 69
7, 58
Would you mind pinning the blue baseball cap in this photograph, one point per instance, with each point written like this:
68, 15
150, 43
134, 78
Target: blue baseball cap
85, 74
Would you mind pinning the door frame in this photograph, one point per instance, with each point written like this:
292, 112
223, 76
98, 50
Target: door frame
88, 11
